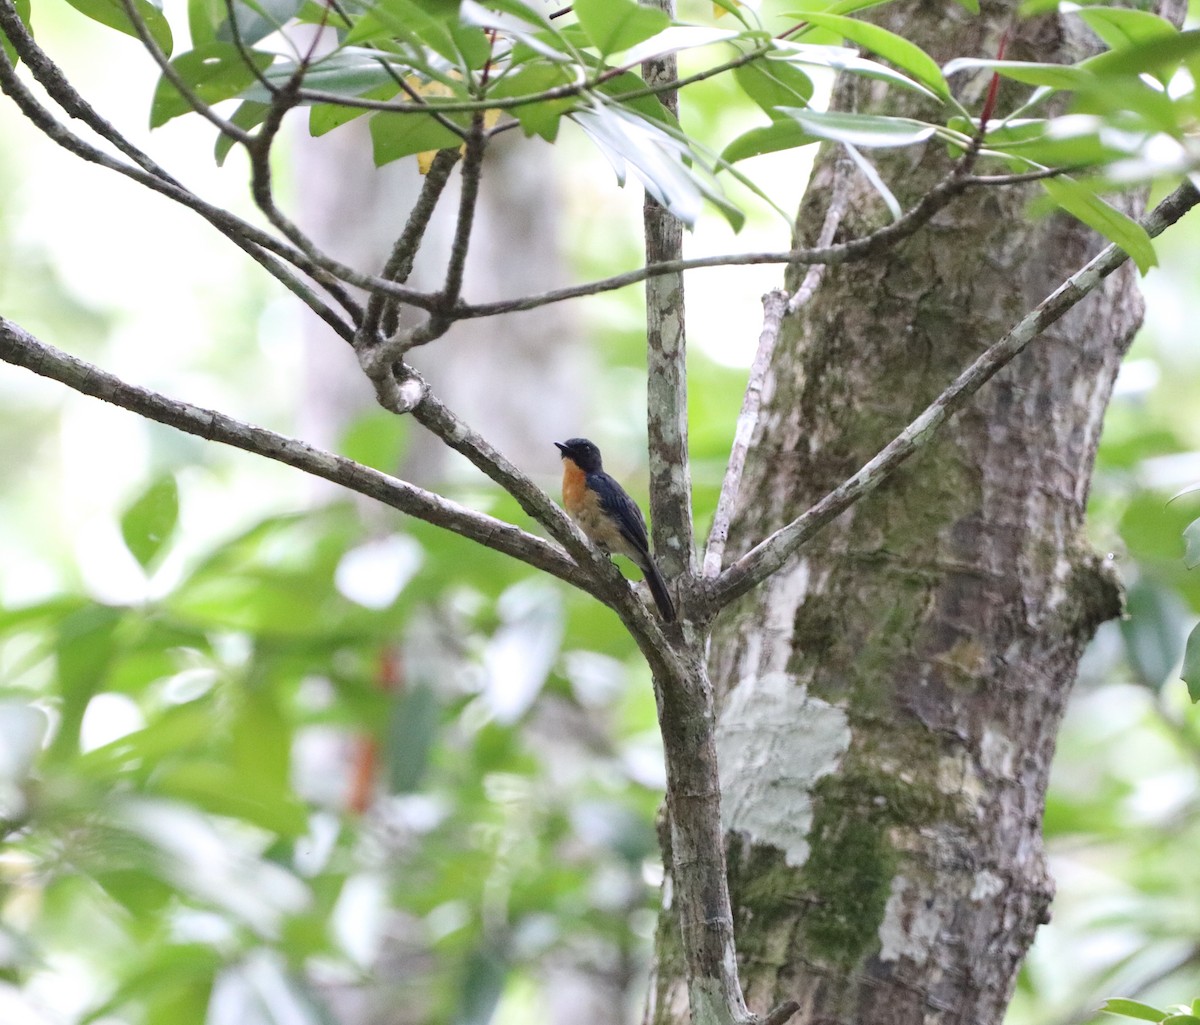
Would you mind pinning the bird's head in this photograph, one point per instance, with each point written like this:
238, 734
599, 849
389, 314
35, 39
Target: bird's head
582, 453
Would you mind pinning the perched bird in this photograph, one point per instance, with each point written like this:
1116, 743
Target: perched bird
608, 516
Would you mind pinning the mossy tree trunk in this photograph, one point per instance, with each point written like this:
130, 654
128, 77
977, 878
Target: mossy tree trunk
888, 702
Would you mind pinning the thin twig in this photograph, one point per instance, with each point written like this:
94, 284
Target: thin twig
263, 248
471, 173
235, 32
21, 349
259, 148
383, 313
775, 305
769, 555
838, 200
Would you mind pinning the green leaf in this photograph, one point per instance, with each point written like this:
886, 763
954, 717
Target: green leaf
376, 438
1093, 211
350, 72
614, 25
671, 172
261, 741
1151, 631
147, 524
891, 47
221, 790
1123, 27
204, 16
541, 118
249, 114
256, 19
1191, 676
22, 13
410, 22
175, 977
649, 107
780, 135
214, 72
774, 83
394, 136
482, 984
83, 649
867, 130
411, 732
174, 732
1153, 55
1191, 541
112, 13
325, 117
1054, 76
1133, 1009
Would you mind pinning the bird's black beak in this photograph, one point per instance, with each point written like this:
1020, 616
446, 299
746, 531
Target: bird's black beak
561, 447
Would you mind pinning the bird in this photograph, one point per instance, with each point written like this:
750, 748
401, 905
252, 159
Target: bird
608, 516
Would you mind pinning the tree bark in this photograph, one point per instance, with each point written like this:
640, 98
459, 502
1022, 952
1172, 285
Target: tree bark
888, 702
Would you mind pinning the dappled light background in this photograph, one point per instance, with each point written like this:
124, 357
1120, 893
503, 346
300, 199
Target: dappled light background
334, 765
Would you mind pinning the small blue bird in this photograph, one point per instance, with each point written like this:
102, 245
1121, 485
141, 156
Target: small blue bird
608, 516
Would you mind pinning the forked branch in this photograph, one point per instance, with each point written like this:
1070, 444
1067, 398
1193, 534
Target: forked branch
769, 555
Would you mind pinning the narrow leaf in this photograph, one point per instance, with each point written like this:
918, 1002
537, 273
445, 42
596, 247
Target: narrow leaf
1122, 27
1190, 676
1151, 632
1054, 76
411, 733
891, 47
112, 13
841, 58
1191, 540
1093, 211
1133, 1009
779, 135
256, 19
861, 129
148, 523
1152, 55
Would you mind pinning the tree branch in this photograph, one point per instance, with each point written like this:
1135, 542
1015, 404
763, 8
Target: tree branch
833, 255
769, 555
383, 313
606, 582
20, 348
775, 305
666, 360
263, 248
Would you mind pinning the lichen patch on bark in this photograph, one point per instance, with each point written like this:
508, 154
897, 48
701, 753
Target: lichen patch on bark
774, 741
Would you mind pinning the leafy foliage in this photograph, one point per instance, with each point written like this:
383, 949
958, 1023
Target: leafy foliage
422, 71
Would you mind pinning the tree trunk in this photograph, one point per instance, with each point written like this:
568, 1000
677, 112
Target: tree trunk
888, 702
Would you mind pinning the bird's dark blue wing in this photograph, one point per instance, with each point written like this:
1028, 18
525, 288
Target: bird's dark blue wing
623, 509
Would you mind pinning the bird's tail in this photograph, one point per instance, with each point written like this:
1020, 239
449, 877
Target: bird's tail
658, 589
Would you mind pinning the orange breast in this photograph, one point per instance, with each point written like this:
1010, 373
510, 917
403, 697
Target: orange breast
574, 488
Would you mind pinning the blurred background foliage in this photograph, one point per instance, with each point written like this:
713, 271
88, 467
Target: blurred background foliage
269, 757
